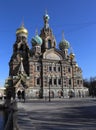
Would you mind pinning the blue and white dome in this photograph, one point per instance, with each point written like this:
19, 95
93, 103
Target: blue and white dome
36, 41
46, 16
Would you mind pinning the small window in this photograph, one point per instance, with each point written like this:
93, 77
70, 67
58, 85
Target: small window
54, 68
77, 81
50, 81
59, 69
69, 81
38, 81
59, 81
69, 70
55, 82
38, 68
50, 68
49, 44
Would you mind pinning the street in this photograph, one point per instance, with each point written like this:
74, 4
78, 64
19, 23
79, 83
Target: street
59, 114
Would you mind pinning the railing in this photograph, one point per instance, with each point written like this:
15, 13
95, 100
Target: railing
11, 123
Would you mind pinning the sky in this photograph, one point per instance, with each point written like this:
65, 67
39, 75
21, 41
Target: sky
77, 18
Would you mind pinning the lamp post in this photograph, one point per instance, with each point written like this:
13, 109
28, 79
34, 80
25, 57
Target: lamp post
50, 82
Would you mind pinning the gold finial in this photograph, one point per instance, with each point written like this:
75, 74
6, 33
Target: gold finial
72, 55
22, 29
22, 24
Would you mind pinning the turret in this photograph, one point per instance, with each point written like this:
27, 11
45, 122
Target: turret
36, 44
47, 35
20, 49
64, 46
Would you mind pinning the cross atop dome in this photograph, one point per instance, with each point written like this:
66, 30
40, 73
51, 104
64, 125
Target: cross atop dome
46, 19
64, 44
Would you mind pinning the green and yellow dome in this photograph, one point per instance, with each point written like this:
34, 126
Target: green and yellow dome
64, 44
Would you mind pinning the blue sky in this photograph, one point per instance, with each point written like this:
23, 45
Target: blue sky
77, 18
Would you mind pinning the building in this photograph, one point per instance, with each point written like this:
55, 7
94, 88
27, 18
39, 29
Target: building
44, 70
2, 92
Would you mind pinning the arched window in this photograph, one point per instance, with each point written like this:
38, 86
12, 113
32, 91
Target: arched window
55, 82
69, 81
49, 44
59, 81
50, 81
78, 82
69, 70
38, 81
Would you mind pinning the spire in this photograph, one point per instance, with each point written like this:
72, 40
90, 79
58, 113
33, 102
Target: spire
22, 24
21, 68
36, 31
22, 29
46, 12
62, 35
64, 44
46, 19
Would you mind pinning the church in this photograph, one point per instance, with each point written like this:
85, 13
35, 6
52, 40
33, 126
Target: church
44, 70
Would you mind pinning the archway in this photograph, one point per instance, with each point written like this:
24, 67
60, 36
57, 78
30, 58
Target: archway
19, 94
60, 94
52, 94
71, 94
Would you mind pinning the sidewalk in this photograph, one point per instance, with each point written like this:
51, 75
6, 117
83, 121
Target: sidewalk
24, 122
63, 114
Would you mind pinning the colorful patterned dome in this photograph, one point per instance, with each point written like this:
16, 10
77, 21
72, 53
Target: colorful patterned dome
64, 45
36, 41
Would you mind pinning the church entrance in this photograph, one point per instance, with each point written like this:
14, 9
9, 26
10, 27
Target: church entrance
21, 95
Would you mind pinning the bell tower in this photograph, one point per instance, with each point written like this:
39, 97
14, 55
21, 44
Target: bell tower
47, 35
20, 49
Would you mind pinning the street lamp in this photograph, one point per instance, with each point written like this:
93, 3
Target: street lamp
50, 82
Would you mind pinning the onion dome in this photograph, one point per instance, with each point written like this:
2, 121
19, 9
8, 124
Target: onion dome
64, 44
72, 55
46, 17
22, 30
36, 41
76, 65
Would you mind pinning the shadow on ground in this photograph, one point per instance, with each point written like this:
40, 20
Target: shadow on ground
61, 117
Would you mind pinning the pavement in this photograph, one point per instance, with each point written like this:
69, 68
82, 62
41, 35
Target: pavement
59, 114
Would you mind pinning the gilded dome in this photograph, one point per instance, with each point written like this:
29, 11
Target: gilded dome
36, 41
22, 29
76, 65
72, 55
64, 44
